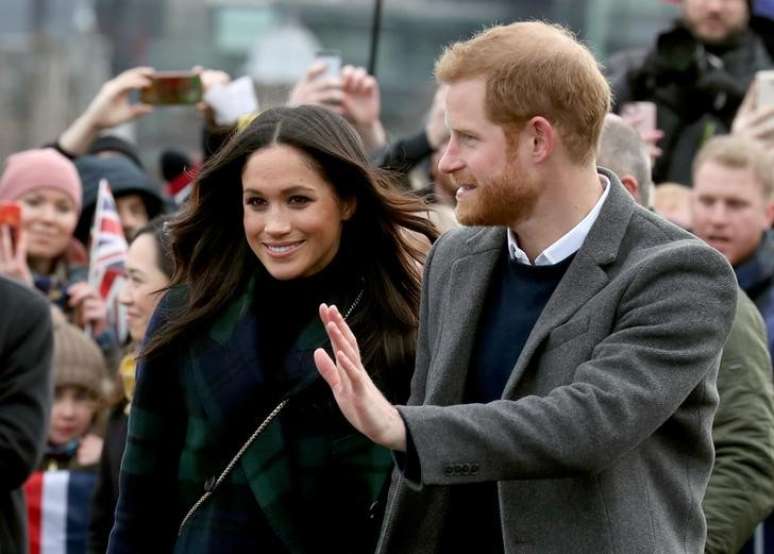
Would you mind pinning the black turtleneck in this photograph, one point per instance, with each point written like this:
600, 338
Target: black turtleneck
285, 308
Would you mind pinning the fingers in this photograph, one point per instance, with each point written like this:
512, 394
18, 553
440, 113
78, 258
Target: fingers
134, 78
328, 369
749, 103
315, 70
213, 77
6, 244
343, 347
21, 245
80, 291
345, 329
94, 310
330, 315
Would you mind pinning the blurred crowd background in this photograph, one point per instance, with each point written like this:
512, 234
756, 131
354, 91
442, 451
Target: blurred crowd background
55, 54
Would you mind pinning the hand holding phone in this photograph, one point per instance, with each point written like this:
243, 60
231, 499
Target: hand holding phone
332, 61
10, 214
13, 248
640, 115
172, 87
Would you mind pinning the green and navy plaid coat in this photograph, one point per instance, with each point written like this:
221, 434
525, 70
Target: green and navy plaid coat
309, 482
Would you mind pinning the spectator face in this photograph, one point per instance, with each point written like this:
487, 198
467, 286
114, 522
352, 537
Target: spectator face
145, 279
292, 217
72, 414
48, 218
715, 21
729, 210
132, 212
493, 185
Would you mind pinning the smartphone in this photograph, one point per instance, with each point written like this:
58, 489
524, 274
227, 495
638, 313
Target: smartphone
172, 87
640, 115
765, 84
332, 60
10, 214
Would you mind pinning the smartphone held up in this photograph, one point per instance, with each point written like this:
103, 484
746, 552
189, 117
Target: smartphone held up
765, 84
10, 216
169, 88
332, 61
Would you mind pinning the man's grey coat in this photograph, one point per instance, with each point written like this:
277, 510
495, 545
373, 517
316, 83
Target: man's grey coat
602, 439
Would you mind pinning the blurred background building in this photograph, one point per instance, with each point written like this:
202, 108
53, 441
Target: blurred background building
54, 54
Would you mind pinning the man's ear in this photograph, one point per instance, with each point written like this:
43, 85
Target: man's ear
770, 212
632, 185
543, 137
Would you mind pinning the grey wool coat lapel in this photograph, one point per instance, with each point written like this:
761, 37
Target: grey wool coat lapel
467, 275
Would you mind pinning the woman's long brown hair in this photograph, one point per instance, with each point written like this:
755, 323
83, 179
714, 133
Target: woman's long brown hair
213, 260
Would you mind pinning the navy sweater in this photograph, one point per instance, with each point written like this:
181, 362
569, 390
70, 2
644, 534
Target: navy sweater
515, 299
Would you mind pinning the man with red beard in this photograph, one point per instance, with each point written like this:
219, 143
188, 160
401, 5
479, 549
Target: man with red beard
565, 379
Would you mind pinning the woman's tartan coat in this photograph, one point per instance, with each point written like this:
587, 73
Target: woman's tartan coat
309, 482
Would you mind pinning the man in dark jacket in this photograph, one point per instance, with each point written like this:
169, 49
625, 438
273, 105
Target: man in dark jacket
25, 402
696, 74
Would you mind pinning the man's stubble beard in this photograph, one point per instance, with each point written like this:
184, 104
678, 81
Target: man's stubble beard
507, 200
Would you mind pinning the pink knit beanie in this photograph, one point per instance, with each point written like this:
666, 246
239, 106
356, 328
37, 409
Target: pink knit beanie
32, 169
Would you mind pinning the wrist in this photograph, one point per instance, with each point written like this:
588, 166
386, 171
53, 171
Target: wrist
373, 135
79, 135
394, 433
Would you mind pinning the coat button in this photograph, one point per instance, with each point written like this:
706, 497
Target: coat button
465, 468
448, 470
474, 468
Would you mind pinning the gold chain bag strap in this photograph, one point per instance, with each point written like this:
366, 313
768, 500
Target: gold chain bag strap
214, 482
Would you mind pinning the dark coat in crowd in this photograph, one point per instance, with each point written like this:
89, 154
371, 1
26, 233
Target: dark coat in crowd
697, 90
26, 348
740, 493
106, 493
756, 278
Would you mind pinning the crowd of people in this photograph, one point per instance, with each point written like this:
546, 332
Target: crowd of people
534, 325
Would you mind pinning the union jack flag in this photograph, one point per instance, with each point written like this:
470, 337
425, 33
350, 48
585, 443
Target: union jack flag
107, 259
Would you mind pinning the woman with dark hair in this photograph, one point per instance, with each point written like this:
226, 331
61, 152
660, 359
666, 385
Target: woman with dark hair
235, 443
148, 273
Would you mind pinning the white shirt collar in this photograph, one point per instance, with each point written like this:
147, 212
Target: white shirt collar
567, 245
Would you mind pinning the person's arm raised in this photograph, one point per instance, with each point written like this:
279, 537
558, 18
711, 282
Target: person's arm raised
110, 107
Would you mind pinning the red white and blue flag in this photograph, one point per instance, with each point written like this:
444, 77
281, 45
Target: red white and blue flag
59, 510
179, 188
107, 259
